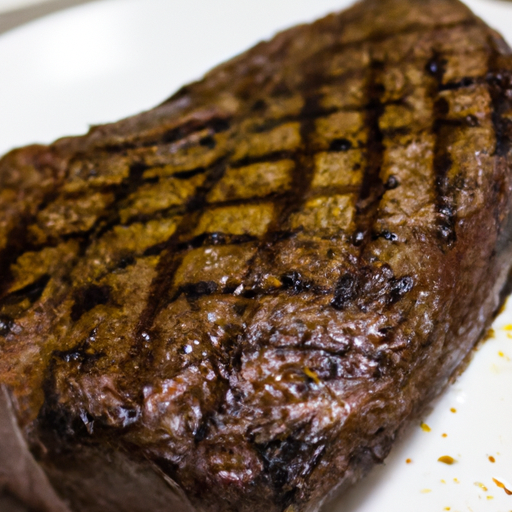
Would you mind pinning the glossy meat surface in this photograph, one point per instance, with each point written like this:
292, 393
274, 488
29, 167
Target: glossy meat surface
237, 300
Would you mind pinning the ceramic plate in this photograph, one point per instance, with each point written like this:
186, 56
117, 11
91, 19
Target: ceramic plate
106, 60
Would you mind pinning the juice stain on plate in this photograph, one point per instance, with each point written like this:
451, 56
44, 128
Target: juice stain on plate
482, 486
425, 427
502, 486
453, 410
426, 491
503, 355
492, 459
446, 459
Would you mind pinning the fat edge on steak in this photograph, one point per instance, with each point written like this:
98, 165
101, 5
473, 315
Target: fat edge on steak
237, 300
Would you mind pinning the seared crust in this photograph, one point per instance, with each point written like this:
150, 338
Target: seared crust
252, 288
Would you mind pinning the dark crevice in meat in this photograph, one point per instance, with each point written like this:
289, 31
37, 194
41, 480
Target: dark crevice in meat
87, 299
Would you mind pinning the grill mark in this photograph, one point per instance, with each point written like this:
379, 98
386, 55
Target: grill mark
17, 240
15, 247
216, 124
442, 159
106, 222
300, 184
168, 213
170, 260
263, 159
101, 226
372, 188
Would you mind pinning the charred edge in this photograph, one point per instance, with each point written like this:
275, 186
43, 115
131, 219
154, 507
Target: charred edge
372, 188
286, 460
442, 158
171, 257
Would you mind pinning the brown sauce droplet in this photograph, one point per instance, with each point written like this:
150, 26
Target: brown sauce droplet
492, 459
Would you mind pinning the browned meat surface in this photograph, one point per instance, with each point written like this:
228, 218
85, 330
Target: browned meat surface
236, 301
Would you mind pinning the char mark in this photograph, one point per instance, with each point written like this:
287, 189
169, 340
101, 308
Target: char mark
372, 188
442, 158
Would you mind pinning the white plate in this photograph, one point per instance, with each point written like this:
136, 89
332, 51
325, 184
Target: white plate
106, 60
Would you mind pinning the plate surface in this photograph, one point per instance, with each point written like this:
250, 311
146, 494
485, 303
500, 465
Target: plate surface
110, 59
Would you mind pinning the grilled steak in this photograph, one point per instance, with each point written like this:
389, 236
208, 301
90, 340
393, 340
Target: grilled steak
236, 301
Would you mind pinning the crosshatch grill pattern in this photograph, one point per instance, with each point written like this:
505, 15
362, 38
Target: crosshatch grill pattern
218, 280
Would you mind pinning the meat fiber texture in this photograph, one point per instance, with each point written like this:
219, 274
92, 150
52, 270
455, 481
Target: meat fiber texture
236, 301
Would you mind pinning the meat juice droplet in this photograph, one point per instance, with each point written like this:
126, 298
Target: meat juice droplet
425, 427
502, 486
446, 459
492, 459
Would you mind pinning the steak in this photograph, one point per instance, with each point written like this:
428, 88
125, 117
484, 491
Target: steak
236, 301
